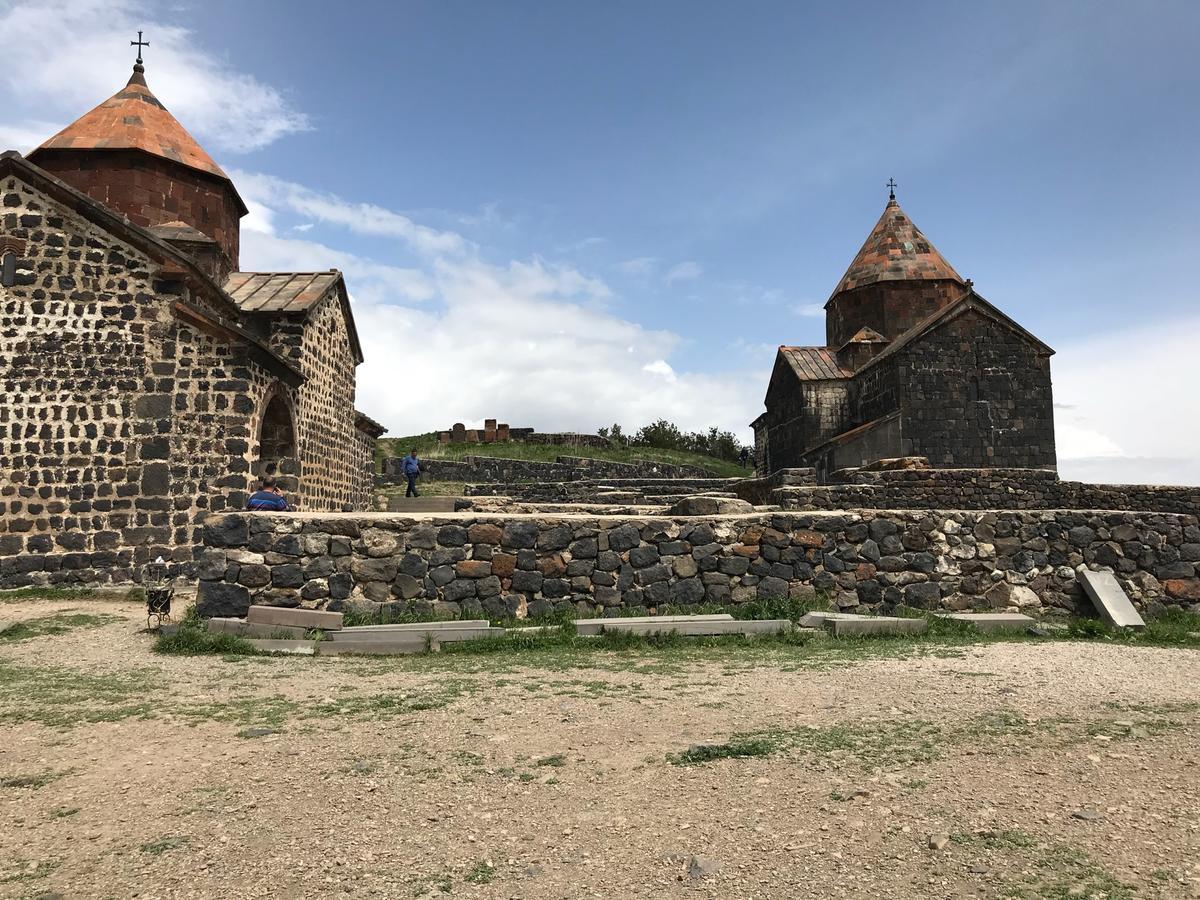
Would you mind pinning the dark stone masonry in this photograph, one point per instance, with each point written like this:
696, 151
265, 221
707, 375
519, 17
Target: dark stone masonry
147, 382
528, 566
916, 363
495, 470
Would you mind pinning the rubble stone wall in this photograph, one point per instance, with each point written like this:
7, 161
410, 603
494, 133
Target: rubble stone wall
972, 489
495, 470
122, 424
527, 566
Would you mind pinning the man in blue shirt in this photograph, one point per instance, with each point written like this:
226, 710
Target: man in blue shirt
412, 470
268, 498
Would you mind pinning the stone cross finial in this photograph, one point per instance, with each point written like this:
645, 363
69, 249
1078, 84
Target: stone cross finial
139, 43
891, 185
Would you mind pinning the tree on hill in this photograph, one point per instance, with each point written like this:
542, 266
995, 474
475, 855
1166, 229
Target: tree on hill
664, 435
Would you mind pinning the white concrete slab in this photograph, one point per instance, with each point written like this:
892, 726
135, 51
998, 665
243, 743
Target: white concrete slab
415, 626
586, 627
255, 629
818, 618
700, 628
1110, 599
991, 623
865, 625
437, 634
300, 648
303, 618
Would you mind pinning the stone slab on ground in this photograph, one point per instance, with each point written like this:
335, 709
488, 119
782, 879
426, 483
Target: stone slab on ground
300, 648
415, 626
864, 625
255, 629
421, 504
702, 628
301, 618
818, 618
438, 634
1110, 599
992, 623
591, 627
394, 647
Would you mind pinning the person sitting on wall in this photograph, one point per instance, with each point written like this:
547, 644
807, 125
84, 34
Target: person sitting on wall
412, 471
268, 497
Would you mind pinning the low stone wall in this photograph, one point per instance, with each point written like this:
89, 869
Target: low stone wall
972, 489
497, 470
472, 565
649, 490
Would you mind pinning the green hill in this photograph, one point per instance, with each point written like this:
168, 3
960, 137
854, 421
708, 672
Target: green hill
427, 445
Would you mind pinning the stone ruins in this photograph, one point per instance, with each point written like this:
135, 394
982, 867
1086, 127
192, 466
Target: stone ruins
909, 463
147, 381
499, 433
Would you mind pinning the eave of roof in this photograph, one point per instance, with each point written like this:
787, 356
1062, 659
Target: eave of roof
146, 241
813, 363
967, 301
363, 422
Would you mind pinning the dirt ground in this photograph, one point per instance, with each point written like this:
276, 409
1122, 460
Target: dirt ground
993, 770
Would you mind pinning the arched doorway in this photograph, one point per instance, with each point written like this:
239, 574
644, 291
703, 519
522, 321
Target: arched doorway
278, 454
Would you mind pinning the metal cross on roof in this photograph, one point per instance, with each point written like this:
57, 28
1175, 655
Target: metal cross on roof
891, 185
139, 43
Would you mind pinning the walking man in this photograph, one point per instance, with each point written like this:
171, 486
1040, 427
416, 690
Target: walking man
412, 471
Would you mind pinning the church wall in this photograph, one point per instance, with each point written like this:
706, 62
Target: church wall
84, 488
889, 307
333, 457
152, 191
975, 393
801, 414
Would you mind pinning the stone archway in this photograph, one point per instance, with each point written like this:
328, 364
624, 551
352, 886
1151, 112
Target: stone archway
278, 453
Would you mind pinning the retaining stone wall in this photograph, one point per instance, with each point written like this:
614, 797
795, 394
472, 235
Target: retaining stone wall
526, 566
497, 470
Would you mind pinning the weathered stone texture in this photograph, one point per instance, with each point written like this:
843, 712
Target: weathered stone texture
874, 560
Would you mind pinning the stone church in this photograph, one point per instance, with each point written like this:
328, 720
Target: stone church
915, 363
147, 381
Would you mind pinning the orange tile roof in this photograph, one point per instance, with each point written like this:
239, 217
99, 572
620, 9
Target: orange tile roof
896, 250
134, 119
813, 363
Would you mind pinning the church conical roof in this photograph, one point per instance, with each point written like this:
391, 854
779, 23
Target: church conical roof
134, 119
896, 250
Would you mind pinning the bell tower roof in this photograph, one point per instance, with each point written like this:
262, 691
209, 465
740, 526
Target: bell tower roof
133, 119
896, 250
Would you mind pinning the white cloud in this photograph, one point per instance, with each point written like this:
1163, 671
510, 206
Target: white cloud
459, 338
641, 265
810, 310
1126, 410
361, 218
24, 136
63, 55
684, 271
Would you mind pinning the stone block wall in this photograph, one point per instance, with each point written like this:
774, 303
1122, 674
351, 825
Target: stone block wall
1021, 489
123, 423
496, 470
528, 566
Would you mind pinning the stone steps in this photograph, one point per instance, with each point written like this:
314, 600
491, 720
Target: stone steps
400, 503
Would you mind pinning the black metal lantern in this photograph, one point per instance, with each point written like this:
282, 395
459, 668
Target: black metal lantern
157, 582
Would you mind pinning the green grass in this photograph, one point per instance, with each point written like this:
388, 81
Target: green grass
482, 873
737, 748
1033, 867
427, 445
165, 845
32, 782
60, 623
25, 594
192, 639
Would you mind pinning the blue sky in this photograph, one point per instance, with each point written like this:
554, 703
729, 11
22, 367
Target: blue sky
566, 213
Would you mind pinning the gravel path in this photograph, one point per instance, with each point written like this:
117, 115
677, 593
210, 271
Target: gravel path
1052, 769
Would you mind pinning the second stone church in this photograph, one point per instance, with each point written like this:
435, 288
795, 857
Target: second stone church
915, 363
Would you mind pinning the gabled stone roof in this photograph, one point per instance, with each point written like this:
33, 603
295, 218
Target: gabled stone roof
896, 250
133, 119
813, 363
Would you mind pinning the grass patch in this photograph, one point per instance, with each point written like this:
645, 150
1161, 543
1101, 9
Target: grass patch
25, 594
32, 782
194, 640
58, 696
165, 845
64, 812
737, 748
1174, 628
557, 760
1033, 867
60, 623
427, 446
481, 873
